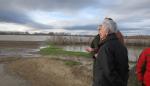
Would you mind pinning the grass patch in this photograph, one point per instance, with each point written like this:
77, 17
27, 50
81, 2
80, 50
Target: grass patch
72, 63
56, 51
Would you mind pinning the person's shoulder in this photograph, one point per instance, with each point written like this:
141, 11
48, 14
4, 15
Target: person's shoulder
147, 50
97, 36
106, 45
112, 43
116, 45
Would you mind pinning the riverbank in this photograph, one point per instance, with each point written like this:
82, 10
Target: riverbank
50, 72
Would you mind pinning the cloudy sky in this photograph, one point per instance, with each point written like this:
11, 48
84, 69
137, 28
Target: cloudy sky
74, 16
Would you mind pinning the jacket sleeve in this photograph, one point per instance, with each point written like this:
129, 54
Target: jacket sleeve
95, 42
139, 65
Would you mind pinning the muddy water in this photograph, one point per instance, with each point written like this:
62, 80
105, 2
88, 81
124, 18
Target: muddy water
16, 49
133, 52
20, 49
30, 49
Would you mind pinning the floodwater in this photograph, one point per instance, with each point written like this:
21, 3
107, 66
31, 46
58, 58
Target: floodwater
20, 49
16, 49
133, 52
12, 49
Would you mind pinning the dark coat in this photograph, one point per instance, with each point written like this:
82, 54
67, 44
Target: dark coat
95, 45
95, 42
111, 68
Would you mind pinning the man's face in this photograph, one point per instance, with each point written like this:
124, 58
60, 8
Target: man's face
103, 33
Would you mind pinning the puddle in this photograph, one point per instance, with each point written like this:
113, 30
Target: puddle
19, 52
19, 49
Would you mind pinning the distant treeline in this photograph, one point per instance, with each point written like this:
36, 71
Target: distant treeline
40, 33
138, 37
130, 41
138, 40
68, 38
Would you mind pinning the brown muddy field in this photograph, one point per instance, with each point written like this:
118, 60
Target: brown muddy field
48, 72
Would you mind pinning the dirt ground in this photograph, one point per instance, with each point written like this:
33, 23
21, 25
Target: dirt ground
44, 71
50, 72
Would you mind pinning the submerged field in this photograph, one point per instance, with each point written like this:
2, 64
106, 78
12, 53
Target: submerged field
54, 66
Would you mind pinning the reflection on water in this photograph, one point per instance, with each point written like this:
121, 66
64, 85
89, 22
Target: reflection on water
13, 49
133, 52
80, 48
20, 49
18, 52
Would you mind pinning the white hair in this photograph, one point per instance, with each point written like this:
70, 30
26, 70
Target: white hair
110, 25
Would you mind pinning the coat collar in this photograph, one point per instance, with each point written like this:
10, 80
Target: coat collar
110, 37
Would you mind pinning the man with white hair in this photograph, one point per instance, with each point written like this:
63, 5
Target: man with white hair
111, 66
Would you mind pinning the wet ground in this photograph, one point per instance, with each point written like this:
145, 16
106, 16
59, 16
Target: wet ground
20, 49
11, 51
10, 80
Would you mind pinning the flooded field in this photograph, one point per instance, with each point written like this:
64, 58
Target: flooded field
133, 52
30, 49
20, 49
11, 49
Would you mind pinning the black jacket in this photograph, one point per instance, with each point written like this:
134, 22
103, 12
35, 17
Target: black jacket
111, 68
95, 42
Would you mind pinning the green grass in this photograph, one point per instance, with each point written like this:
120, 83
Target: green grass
56, 51
72, 63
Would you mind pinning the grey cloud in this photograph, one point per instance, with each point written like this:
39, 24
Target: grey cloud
127, 11
48, 5
13, 17
84, 27
130, 10
131, 6
14, 11
20, 18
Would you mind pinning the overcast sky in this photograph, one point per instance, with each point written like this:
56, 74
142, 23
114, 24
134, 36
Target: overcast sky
74, 16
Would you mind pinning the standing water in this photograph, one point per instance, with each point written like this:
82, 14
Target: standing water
20, 49
133, 51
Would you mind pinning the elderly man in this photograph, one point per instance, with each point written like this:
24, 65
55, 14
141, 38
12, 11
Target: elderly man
111, 67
